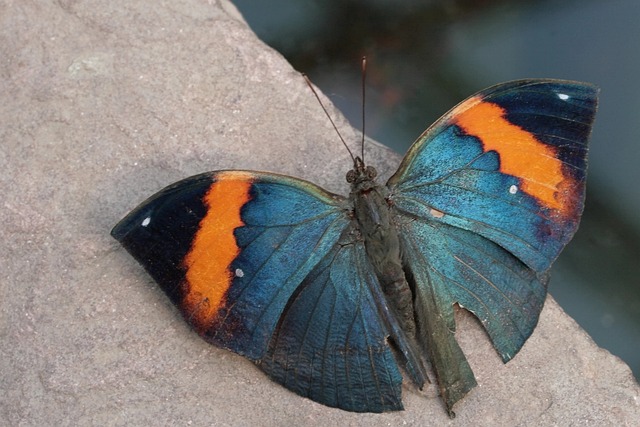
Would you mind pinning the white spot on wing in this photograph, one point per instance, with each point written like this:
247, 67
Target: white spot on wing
239, 272
146, 221
436, 213
563, 96
513, 189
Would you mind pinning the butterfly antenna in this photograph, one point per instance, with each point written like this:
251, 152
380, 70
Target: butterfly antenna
364, 78
306, 78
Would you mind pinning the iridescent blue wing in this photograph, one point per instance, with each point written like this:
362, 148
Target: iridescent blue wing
230, 248
487, 197
331, 343
508, 163
268, 266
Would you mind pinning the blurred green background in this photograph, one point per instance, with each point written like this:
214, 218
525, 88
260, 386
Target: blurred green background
426, 56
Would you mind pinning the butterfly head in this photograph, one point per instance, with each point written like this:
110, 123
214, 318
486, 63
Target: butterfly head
361, 176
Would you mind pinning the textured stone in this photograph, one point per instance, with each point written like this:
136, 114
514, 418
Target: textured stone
105, 103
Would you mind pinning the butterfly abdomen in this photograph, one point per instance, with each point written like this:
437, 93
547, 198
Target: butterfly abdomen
383, 248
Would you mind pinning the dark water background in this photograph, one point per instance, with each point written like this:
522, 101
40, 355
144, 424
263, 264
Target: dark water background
426, 56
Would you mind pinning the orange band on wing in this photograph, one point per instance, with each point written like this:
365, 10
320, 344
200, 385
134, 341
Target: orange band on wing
214, 248
521, 154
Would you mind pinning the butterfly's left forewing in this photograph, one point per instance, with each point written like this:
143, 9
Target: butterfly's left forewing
229, 248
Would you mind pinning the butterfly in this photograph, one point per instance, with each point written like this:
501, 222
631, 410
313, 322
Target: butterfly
336, 297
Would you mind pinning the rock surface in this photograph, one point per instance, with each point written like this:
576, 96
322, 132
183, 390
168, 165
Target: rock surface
104, 103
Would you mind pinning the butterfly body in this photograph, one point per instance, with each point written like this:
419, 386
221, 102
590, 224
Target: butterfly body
373, 214
331, 296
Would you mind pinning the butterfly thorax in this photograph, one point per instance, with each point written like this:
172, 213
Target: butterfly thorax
373, 215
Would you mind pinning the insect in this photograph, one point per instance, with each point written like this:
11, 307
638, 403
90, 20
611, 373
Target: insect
333, 297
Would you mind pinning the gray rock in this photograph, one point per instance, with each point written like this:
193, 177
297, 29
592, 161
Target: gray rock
104, 103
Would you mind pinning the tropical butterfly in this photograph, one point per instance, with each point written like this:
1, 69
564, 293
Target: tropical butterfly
332, 296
